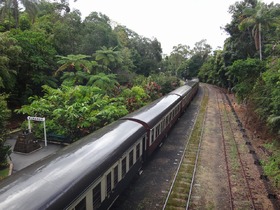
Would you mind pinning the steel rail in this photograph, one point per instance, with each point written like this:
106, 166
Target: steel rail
275, 202
197, 156
226, 157
240, 161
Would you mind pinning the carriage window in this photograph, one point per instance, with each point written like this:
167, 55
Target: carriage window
130, 159
137, 151
109, 183
96, 194
144, 143
152, 137
157, 130
81, 205
123, 167
116, 175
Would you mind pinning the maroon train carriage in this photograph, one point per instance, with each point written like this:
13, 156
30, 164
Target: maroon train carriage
184, 92
157, 117
92, 172
87, 174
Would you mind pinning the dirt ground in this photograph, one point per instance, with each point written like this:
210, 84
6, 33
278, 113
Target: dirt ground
211, 186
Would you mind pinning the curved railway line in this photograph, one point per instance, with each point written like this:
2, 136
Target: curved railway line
240, 177
236, 171
254, 191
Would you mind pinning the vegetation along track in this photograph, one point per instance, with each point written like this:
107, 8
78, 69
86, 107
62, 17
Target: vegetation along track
246, 189
180, 191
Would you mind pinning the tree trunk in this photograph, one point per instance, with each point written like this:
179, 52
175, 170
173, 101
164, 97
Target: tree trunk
260, 40
16, 13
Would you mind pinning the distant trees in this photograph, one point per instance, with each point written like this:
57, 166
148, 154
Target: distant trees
185, 62
10, 11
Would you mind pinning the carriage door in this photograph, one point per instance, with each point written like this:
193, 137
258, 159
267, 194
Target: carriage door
144, 145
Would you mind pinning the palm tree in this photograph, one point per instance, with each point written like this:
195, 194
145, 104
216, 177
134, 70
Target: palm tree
75, 67
10, 7
256, 18
108, 56
104, 81
76, 62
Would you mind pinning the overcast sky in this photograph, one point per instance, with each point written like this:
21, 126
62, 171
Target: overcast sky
170, 22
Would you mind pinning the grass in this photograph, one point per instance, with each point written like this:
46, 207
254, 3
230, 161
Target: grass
4, 172
272, 165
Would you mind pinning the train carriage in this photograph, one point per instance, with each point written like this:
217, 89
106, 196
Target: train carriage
92, 172
99, 164
184, 93
157, 117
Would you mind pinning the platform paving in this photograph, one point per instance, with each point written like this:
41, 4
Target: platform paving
20, 160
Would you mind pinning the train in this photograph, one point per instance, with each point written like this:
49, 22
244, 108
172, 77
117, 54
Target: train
92, 172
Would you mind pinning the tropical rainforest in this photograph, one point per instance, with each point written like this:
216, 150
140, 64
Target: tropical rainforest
83, 73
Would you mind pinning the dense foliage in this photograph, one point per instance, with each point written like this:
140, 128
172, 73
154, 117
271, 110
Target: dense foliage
82, 74
74, 111
5, 150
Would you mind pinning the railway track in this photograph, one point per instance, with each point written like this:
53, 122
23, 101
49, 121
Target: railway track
179, 195
238, 176
247, 188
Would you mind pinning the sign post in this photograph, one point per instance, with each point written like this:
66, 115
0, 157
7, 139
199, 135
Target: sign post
40, 119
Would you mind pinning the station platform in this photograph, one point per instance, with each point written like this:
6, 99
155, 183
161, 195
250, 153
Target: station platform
22, 160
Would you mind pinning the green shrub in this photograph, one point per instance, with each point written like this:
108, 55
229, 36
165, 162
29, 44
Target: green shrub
4, 116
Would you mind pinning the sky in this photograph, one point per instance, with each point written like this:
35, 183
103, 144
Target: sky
170, 22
